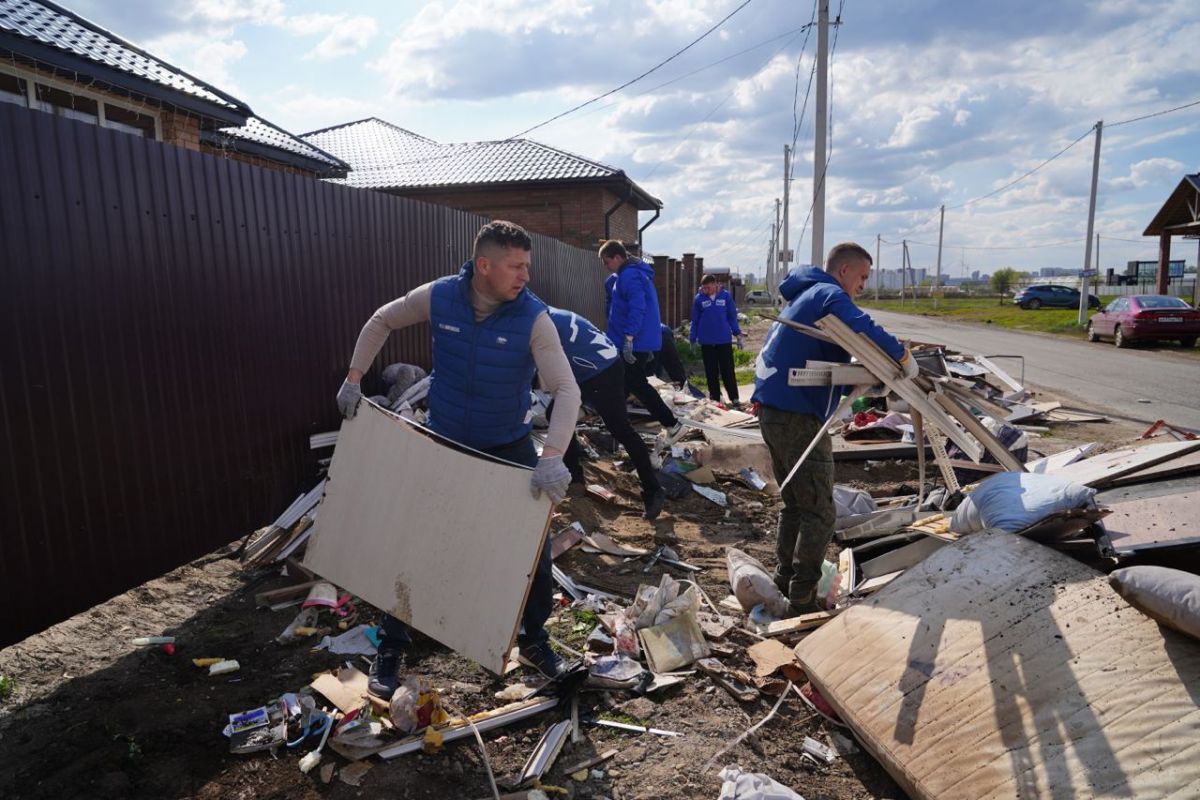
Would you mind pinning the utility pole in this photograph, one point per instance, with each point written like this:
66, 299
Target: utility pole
820, 136
785, 255
937, 281
1087, 251
1097, 259
878, 268
903, 268
775, 255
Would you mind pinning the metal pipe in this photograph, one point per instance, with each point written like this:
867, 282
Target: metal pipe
657, 213
608, 214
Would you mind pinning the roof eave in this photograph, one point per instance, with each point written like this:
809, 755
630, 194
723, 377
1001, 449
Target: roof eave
640, 198
322, 169
119, 81
1160, 224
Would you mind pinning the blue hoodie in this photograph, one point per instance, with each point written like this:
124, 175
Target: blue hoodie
714, 319
811, 294
634, 308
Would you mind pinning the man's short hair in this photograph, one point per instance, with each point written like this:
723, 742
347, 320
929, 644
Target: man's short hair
501, 233
844, 253
707, 279
613, 248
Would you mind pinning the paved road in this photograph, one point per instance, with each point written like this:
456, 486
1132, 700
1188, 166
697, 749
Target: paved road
1083, 374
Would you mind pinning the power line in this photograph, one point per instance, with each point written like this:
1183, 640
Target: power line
628, 83
1155, 114
1062, 243
717, 107
1012, 183
829, 157
753, 232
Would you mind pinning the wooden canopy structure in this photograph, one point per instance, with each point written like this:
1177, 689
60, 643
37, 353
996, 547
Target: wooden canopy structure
1179, 216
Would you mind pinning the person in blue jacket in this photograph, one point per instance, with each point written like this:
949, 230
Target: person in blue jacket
791, 415
714, 326
600, 373
635, 327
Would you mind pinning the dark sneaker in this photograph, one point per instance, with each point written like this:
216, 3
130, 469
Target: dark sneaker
654, 504
541, 656
384, 677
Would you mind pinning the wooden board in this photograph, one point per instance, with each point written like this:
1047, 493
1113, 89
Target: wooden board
441, 539
999, 668
1183, 465
1167, 520
1106, 467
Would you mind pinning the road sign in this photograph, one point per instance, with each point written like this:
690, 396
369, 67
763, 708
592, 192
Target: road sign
786, 256
1087, 273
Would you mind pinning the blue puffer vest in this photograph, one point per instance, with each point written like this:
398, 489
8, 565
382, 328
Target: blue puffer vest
482, 372
589, 351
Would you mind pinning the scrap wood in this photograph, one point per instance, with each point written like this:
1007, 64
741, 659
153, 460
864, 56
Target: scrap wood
588, 763
771, 656
1099, 470
735, 682
459, 728
565, 539
296, 590
352, 774
803, 622
1055, 461
606, 544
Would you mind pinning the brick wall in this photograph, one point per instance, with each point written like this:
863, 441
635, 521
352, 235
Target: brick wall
571, 215
180, 129
257, 161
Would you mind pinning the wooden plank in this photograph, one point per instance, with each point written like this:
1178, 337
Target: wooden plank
1100, 470
977, 429
888, 372
1182, 465
398, 528
1166, 520
1056, 461
804, 622
901, 558
1000, 668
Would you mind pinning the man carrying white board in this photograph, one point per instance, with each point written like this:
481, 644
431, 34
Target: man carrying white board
490, 334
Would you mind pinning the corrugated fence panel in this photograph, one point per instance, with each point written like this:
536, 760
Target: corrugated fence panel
173, 327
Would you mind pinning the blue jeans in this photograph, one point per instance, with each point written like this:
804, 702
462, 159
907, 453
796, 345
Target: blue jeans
393, 634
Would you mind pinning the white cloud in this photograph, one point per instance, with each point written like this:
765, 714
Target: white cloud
209, 59
343, 35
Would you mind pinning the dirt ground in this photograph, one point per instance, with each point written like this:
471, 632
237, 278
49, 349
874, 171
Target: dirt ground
92, 716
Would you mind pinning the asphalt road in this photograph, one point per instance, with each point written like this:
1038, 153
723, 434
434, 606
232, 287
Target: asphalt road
1081, 374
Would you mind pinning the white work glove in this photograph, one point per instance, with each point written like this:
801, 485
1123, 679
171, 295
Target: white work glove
552, 477
348, 398
627, 351
741, 342
908, 365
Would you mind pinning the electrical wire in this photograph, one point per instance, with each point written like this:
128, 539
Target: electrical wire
1154, 114
1014, 182
829, 154
696, 126
632, 81
753, 232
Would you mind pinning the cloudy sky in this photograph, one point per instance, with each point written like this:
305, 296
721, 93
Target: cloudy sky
932, 102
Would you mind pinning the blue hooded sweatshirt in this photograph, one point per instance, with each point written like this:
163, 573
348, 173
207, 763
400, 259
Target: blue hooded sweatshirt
634, 308
714, 319
812, 294
588, 350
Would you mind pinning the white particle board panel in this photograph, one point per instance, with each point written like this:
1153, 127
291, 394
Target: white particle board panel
1106, 467
443, 540
999, 668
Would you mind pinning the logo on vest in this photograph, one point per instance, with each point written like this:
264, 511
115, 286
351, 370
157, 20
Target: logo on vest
501, 340
451, 328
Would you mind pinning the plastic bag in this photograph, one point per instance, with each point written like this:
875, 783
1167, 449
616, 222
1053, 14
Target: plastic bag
415, 705
752, 585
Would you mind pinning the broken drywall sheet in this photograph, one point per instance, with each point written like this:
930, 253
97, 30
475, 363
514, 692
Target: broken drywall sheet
1000, 668
443, 540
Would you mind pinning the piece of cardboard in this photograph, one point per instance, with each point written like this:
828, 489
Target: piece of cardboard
674, 644
998, 667
769, 656
345, 688
441, 539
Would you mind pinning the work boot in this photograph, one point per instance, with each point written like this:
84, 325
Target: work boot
541, 656
654, 503
384, 677
674, 432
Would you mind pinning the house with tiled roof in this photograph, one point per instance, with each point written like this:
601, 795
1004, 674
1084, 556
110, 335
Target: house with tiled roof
55, 61
572, 198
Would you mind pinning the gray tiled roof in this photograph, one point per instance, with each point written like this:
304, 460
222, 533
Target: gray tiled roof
59, 28
384, 156
263, 132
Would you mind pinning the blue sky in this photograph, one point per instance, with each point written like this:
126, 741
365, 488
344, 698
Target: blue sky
933, 102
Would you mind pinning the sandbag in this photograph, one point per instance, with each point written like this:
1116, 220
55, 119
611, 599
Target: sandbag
751, 584
1170, 596
1012, 501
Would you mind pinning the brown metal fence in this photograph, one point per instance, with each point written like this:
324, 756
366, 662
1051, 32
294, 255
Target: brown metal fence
174, 326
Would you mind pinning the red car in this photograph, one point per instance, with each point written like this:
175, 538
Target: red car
1145, 316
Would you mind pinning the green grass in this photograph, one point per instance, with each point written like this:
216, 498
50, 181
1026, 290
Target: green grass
693, 362
988, 311
7, 687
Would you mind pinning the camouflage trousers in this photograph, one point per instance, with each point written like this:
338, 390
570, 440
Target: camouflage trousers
808, 515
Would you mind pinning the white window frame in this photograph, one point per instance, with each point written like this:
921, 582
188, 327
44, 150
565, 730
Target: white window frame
32, 78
